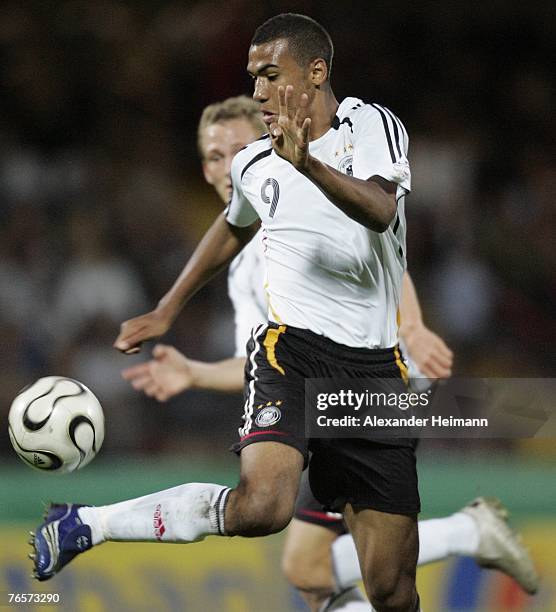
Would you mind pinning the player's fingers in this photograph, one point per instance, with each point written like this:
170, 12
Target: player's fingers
140, 383
301, 112
131, 342
443, 360
442, 348
447, 354
288, 98
138, 370
276, 133
433, 369
151, 389
160, 350
305, 130
281, 102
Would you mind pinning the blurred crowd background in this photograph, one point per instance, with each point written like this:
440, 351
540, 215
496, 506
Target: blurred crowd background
102, 198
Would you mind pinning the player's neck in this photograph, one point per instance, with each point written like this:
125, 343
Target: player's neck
323, 112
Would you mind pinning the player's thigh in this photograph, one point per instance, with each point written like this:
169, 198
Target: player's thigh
387, 545
270, 473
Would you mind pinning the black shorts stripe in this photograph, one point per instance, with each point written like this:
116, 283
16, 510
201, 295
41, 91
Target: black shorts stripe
257, 158
387, 131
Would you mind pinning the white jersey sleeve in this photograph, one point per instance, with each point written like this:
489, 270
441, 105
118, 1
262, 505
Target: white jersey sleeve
246, 291
239, 211
380, 146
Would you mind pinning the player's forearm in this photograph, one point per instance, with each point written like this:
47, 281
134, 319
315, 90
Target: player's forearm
371, 203
225, 376
217, 248
410, 309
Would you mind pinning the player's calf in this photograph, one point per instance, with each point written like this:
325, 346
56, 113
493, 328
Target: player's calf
306, 561
387, 546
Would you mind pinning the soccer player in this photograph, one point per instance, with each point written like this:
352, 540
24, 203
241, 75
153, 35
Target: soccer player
335, 250
315, 540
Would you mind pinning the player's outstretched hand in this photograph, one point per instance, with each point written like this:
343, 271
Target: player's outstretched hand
167, 374
290, 135
429, 352
136, 331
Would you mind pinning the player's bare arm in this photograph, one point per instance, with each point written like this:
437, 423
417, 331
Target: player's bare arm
429, 352
220, 245
371, 203
170, 373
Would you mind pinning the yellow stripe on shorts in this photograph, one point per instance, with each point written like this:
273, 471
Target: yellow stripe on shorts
270, 340
401, 365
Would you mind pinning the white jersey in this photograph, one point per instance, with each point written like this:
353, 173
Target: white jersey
324, 271
246, 291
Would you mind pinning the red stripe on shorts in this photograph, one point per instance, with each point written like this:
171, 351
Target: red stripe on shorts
260, 433
324, 516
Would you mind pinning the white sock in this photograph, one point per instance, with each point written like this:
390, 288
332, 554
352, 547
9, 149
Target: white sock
457, 534
186, 513
345, 562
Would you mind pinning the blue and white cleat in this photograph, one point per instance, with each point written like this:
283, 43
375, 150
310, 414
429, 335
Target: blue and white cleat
58, 540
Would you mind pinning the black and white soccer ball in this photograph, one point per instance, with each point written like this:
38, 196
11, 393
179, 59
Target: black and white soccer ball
56, 425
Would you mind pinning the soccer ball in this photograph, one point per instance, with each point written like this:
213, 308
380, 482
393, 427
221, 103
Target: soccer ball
56, 425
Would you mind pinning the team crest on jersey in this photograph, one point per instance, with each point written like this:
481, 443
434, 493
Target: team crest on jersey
268, 415
346, 165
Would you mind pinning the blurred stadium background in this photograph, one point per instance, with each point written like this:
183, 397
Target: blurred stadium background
102, 200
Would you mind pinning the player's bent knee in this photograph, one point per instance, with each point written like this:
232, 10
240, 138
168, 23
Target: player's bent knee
263, 511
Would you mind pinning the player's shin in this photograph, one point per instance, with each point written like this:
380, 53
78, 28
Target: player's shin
186, 513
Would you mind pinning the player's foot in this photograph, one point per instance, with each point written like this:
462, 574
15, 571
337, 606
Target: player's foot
58, 540
499, 546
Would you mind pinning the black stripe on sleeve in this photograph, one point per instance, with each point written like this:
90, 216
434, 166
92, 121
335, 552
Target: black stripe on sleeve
397, 224
257, 158
396, 132
403, 132
386, 129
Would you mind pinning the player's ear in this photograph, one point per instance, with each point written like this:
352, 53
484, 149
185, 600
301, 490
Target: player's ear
319, 72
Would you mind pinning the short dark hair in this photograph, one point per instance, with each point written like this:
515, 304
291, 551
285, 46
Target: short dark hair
307, 39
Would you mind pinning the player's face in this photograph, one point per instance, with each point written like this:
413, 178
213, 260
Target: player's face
220, 142
271, 65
